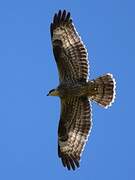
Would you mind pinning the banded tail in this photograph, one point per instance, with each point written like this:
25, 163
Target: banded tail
104, 90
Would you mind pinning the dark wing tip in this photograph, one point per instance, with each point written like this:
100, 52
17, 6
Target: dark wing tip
70, 161
67, 17
55, 18
62, 17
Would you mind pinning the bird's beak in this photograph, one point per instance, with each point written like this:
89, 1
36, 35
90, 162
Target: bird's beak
47, 94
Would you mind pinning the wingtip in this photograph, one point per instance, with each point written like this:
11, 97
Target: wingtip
64, 11
70, 162
67, 17
55, 18
61, 16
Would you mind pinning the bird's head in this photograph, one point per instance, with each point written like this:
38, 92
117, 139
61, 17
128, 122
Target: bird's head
53, 92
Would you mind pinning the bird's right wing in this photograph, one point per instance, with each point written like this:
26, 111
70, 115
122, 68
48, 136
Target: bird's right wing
75, 123
69, 51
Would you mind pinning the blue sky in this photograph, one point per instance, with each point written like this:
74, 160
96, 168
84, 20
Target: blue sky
29, 119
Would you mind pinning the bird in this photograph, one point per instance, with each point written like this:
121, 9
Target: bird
75, 90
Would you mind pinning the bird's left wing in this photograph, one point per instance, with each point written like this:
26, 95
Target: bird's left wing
69, 51
75, 123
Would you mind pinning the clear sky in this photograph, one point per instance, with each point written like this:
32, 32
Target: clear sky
29, 119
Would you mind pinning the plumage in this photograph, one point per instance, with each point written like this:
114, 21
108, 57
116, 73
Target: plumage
75, 90
69, 51
73, 128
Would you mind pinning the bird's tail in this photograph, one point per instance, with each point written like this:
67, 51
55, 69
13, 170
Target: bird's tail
104, 90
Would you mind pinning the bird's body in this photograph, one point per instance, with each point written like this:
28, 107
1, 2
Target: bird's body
75, 90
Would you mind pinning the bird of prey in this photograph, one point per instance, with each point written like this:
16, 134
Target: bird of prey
75, 90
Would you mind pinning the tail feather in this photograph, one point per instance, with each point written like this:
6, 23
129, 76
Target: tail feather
104, 90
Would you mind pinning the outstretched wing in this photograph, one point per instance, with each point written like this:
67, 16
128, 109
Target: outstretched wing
74, 126
69, 51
